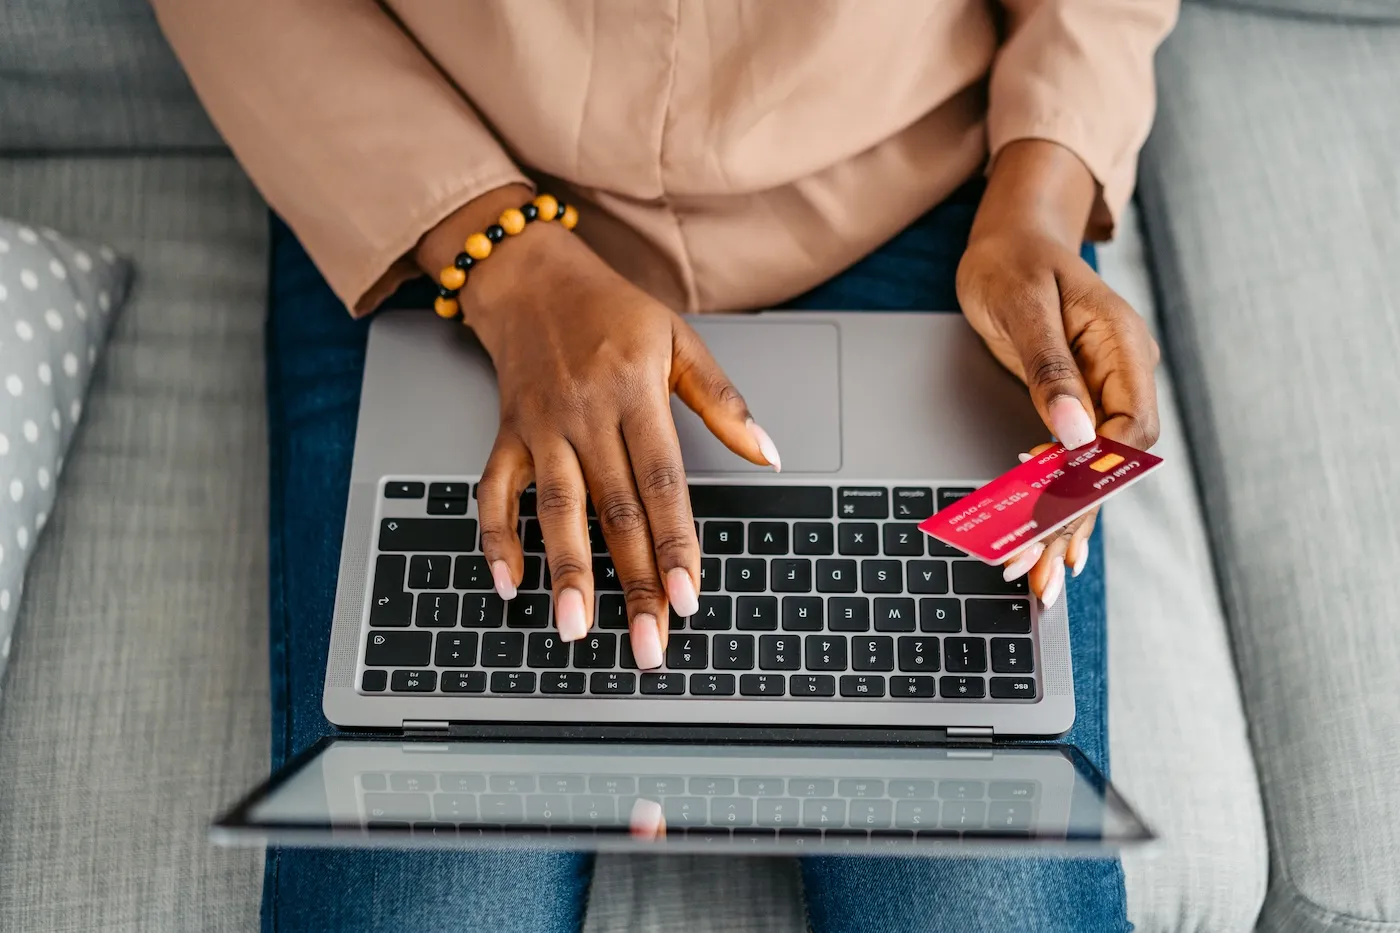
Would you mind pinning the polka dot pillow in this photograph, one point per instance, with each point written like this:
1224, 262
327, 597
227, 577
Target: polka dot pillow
57, 300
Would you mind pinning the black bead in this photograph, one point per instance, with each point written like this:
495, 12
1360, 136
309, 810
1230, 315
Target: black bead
530, 211
560, 213
445, 292
463, 262
495, 233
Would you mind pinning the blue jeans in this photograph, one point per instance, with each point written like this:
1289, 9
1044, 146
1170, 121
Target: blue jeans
315, 356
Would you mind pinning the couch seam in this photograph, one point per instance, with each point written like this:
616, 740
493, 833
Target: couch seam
1332, 918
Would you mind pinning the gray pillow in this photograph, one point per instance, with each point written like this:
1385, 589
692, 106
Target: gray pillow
57, 300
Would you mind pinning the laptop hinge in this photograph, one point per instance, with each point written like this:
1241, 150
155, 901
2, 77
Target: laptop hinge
425, 727
970, 733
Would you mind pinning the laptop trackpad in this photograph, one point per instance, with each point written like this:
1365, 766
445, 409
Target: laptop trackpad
790, 375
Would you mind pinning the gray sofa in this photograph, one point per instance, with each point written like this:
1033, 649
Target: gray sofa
1254, 637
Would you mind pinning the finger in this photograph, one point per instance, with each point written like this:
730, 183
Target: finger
508, 471
560, 503
699, 382
1077, 554
1118, 357
1047, 578
646, 822
1037, 331
1035, 451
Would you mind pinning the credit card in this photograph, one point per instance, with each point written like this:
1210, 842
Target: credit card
1040, 496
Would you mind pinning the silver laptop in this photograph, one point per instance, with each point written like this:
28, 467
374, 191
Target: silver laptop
830, 629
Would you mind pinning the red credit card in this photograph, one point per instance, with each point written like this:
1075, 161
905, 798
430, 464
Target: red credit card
1043, 494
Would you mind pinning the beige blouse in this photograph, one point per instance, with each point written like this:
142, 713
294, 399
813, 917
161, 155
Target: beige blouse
723, 153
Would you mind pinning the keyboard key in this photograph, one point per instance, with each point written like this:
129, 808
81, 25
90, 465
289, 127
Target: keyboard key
937, 548
389, 570
916, 686
532, 541
768, 538
858, 539
961, 790
463, 681
779, 813
779, 652
762, 685
513, 682
596, 650
562, 682
1013, 688
711, 786
803, 613
714, 614
403, 489
871, 814
514, 783
819, 813
429, 572
963, 814
471, 573
502, 649
453, 535
918, 654
723, 538
529, 505
746, 574
546, 808
962, 688
951, 495
913, 503
761, 787
1011, 790
965, 655
894, 615
663, 684
863, 502
447, 506
626, 659
712, 685
596, 542
836, 576
849, 614
881, 576
412, 782
398, 806
454, 649
812, 685
861, 788
1009, 815
374, 681
459, 783
686, 811
913, 790
902, 540
688, 651
612, 611
862, 685
653, 787
437, 610
502, 808
792, 575
416, 681
926, 576
391, 610
527, 610
710, 575
605, 576
733, 652
482, 610
1012, 656
758, 613
530, 580
772, 501
826, 652
915, 814
731, 811
449, 491
972, 577
872, 653
813, 538
940, 615
612, 683
546, 650
999, 616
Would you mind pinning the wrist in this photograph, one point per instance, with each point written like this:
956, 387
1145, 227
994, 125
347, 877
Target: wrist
1037, 188
440, 245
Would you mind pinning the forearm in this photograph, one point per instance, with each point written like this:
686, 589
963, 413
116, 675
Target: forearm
1037, 185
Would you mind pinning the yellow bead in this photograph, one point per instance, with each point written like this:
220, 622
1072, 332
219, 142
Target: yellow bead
548, 205
512, 221
570, 218
445, 307
478, 246
452, 277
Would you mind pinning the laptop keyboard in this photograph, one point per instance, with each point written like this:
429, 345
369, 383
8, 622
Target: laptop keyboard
812, 591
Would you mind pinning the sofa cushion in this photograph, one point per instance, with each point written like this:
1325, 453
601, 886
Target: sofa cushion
1272, 197
1335, 10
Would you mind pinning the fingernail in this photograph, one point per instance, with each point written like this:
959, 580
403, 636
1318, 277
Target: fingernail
1056, 584
645, 819
646, 641
765, 446
1070, 422
1081, 555
1023, 563
500, 575
1023, 457
681, 592
573, 623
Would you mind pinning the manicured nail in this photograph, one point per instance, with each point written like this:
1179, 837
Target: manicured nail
645, 820
1056, 584
1023, 457
646, 641
1023, 562
765, 446
1081, 555
573, 622
500, 575
681, 592
1070, 422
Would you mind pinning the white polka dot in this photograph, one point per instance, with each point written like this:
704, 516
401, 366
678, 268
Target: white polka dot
31, 432
5, 607
70, 364
28, 235
4, 445
44, 478
45, 373
28, 279
5, 604
14, 385
4, 293
106, 253
75, 411
4, 245
82, 260
40, 521
24, 330
50, 234
56, 418
53, 319
104, 301
80, 310
57, 270
2, 560
16, 490
92, 355
22, 537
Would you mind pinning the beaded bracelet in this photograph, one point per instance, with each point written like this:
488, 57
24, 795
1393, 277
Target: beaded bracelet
451, 280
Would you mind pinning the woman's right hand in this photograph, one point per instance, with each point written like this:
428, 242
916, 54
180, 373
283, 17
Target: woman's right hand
586, 364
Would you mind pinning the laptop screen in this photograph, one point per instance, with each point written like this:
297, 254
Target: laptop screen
764, 799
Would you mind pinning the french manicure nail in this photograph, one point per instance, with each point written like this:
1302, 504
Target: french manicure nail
1055, 585
1023, 563
1023, 457
765, 446
1081, 555
573, 623
645, 820
500, 576
646, 641
681, 592
1070, 422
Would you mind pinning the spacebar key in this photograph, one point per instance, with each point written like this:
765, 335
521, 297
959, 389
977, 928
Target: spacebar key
427, 534
762, 501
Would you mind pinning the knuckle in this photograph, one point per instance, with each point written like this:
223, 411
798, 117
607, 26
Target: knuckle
496, 537
568, 568
621, 514
674, 547
641, 590
661, 479
1051, 366
556, 501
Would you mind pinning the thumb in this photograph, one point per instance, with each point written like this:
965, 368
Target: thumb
699, 382
1057, 388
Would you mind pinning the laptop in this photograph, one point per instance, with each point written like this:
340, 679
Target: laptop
847, 683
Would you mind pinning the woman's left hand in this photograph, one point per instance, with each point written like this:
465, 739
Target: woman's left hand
1085, 354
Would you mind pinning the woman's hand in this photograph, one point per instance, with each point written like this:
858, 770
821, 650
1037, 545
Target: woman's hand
1086, 356
586, 364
